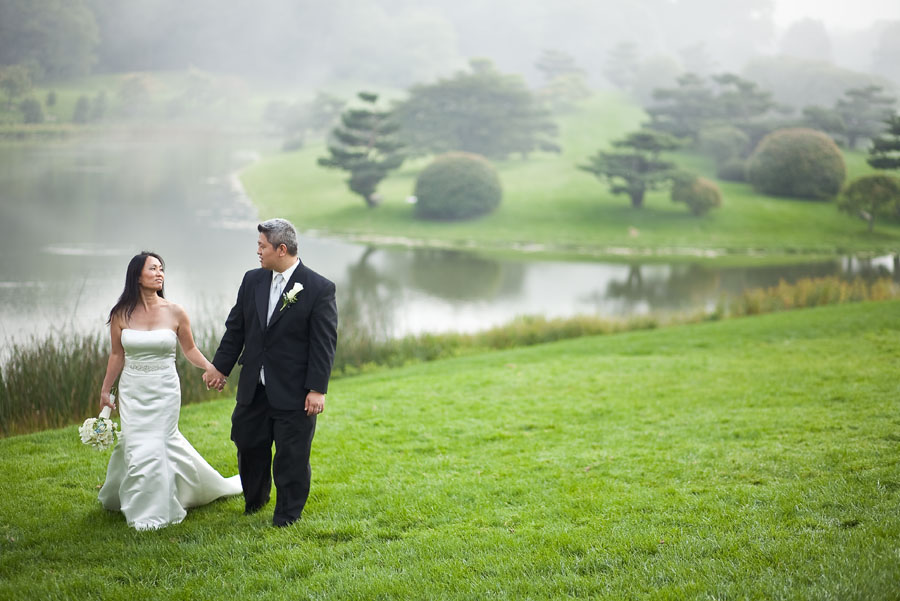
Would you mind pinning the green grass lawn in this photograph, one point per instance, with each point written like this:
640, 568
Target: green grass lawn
552, 207
753, 458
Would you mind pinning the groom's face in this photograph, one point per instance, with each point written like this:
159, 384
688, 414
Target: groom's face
268, 254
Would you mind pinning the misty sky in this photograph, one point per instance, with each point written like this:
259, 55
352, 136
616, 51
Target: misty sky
837, 14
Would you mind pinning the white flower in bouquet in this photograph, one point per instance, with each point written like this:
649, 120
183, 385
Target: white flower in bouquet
99, 432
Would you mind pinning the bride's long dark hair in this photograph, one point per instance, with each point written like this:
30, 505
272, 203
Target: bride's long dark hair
132, 293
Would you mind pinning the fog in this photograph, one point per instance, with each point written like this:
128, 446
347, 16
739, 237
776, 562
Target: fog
395, 43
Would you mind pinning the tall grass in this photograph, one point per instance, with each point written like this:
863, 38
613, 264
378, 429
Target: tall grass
55, 381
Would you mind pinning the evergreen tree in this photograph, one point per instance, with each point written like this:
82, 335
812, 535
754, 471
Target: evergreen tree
682, 111
885, 150
638, 168
482, 111
863, 111
367, 145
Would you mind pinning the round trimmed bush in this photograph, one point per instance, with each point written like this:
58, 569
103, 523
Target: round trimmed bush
797, 162
698, 193
457, 185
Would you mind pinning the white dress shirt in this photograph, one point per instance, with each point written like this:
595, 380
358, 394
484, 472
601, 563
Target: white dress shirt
273, 302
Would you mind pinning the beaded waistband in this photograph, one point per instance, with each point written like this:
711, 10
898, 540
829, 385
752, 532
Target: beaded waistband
147, 367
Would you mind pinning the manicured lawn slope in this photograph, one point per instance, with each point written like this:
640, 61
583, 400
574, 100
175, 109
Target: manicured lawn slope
555, 208
755, 458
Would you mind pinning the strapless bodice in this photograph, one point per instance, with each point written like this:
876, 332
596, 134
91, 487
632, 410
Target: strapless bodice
149, 348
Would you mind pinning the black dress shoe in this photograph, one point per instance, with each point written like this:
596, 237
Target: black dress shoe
251, 509
282, 523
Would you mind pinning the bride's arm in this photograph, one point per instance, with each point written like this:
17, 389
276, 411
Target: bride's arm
115, 363
186, 340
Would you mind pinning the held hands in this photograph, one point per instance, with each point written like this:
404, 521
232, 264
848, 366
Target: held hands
213, 378
315, 403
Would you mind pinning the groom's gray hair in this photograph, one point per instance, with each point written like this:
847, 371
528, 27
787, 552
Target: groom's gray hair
280, 231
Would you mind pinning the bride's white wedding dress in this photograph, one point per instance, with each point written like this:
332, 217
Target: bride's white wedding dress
154, 473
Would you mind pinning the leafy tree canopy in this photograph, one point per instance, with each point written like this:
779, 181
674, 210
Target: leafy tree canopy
481, 111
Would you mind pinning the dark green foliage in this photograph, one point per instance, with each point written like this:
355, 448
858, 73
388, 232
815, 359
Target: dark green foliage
51, 98
732, 170
872, 196
32, 111
367, 145
863, 111
885, 150
457, 186
637, 169
82, 111
797, 162
698, 193
482, 111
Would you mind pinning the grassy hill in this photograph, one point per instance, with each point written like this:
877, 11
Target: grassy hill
752, 458
552, 207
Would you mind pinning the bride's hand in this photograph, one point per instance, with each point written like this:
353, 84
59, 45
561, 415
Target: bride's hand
105, 401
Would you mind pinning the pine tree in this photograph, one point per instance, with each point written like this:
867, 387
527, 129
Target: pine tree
885, 150
366, 143
863, 110
638, 169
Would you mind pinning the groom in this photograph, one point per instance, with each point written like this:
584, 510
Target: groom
283, 331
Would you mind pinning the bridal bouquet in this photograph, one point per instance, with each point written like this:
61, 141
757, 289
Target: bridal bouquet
99, 432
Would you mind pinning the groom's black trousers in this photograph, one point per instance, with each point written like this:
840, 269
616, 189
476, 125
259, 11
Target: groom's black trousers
253, 429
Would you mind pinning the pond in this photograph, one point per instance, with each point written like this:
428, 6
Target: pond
74, 212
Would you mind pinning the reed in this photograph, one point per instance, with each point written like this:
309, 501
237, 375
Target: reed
55, 381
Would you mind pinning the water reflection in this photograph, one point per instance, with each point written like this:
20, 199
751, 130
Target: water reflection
72, 214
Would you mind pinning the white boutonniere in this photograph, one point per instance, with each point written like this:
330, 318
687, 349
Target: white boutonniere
290, 297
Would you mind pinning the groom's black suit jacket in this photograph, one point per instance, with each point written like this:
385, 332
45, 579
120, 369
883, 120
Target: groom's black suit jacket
296, 348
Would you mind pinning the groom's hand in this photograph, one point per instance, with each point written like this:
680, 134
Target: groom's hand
213, 378
315, 403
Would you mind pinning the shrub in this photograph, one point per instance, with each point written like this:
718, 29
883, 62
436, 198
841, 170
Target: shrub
870, 196
457, 185
797, 162
32, 110
732, 170
698, 193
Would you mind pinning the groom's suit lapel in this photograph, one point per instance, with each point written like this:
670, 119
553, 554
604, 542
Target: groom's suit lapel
262, 297
295, 277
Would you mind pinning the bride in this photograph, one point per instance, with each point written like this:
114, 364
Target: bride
154, 473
